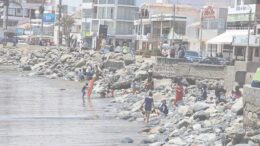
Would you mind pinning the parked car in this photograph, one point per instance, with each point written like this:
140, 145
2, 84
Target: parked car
192, 56
214, 61
13, 40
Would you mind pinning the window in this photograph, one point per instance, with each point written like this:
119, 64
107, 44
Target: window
126, 2
11, 12
87, 13
95, 25
256, 52
87, 1
126, 13
102, 2
124, 28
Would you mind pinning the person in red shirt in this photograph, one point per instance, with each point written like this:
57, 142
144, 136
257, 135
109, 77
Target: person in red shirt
179, 93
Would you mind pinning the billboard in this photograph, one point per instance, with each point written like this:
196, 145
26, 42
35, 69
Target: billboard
48, 17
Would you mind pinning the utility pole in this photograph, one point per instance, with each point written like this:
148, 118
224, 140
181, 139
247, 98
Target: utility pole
201, 31
5, 20
59, 22
248, 36
41, 10
173, 25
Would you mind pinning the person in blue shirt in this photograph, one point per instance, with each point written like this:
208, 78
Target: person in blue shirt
148, 106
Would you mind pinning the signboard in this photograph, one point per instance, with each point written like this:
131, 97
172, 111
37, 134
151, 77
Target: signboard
243, 40
88, 34
239, 17
49, 17
209, 12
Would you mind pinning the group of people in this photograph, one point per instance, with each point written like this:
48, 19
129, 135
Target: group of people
220, 96
173, 52
89, 72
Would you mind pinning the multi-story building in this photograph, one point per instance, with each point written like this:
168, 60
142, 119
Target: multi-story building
241, 21
162, 22
117, 15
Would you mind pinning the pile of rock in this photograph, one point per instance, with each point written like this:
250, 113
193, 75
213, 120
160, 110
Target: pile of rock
193, 123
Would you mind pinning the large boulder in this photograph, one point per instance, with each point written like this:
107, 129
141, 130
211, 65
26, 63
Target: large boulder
201, 116
65, 57
238, 107
81, 63
200, 106
127, 140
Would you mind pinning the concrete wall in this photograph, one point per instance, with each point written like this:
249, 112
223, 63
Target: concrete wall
251, 102
189, 70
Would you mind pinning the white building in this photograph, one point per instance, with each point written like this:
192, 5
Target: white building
241, 17
117, 15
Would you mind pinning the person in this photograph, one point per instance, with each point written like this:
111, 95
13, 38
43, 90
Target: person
89, 72
84, 89
203, 93
125, 49
81, 75
236, 94
148, 105
179, 93
163, 108
134, 87
256, 80
220, 94
149, 84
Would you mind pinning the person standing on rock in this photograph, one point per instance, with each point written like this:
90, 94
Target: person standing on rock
179, 93
203, 93
148, 106
163, 108
220, 94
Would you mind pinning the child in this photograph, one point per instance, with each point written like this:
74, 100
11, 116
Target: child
163, 108
203, 93
179, 93
84, 89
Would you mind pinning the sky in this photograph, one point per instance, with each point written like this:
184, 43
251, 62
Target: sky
139, 2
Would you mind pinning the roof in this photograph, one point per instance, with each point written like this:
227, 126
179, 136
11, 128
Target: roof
227, 37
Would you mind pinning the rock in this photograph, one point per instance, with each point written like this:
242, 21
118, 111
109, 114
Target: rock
125, 115
238, 107
156, 144
185, 111
65, 57
177, 141
196, 127
26, 68
127, 140
81, 63
148, 141
183, 123
121, 85
141, 75
199, 106
207, 137
201, 116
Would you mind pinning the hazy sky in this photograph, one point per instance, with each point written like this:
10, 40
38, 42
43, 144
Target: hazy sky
196, 3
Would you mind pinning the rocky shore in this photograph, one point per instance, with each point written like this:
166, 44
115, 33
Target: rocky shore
192, 123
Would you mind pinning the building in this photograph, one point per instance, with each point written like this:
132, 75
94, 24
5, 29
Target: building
163, 22
241, 21
117, 15
214, 21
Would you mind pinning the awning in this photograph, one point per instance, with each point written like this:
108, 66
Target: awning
226, 38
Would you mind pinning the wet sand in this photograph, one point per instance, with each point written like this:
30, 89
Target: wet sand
42, 112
